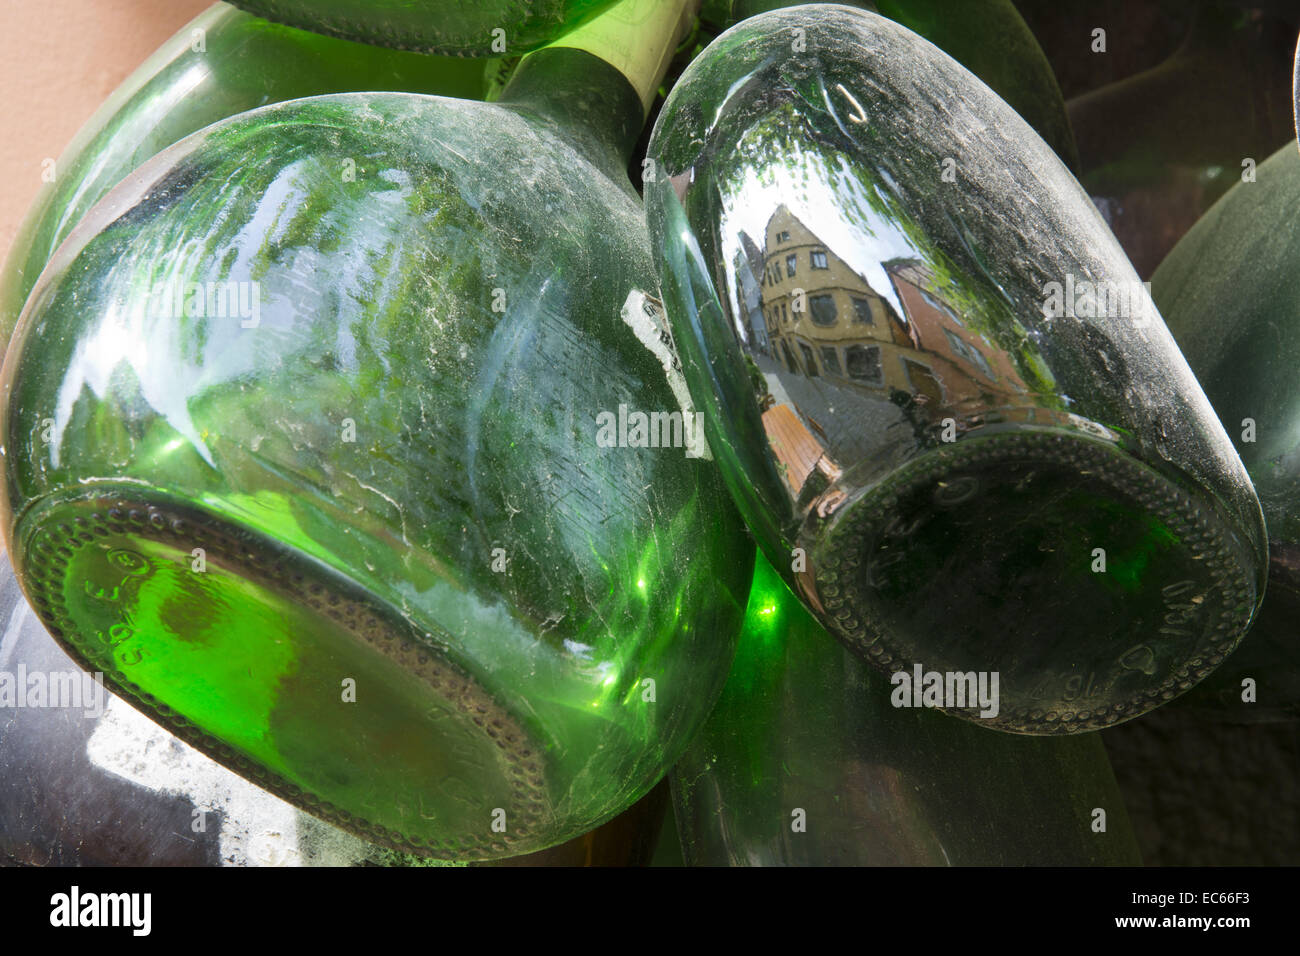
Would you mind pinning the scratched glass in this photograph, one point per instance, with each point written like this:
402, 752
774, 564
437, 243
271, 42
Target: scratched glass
223, 62
943, 401
988, 37
301, 450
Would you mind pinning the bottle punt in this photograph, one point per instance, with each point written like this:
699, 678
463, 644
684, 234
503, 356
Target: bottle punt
988, 551
284, 668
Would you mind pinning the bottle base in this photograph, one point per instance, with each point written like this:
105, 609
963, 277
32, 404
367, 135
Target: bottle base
1091, 587
287, 672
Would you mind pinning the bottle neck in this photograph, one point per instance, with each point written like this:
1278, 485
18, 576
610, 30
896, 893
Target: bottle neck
600, 115
594, 86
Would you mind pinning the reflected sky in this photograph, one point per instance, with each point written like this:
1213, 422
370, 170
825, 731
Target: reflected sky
864, 242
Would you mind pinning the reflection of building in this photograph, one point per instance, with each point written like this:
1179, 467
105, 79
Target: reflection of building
822, 317
948, 363
841, 354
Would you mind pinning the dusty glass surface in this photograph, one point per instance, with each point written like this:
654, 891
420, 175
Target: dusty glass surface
1231, 292
941, 397
223, 62
301, 448
988, 37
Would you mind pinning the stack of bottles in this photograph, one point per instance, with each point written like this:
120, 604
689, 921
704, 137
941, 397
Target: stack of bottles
464, 422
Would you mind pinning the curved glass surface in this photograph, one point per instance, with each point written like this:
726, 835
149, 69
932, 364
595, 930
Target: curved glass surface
456, 27
223, 62
1230, 290
988, 37
340, 363
805, 761
946, 405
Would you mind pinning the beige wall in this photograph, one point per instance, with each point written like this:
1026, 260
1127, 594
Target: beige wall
59, 59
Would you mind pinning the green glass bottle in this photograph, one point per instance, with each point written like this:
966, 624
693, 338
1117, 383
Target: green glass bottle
1230, 290
1215, 780
455, 27
805, 761
222, 63
988, 37
87, 781
944, 402
304, 448
630, 839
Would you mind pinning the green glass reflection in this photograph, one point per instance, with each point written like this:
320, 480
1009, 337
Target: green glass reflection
806, 762
454, 27
941, 397
349, 354
222, 63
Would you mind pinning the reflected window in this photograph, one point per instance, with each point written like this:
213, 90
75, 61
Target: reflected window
941, 306
818, 257
970, 353
958, 346
789, 357
863, 363
862, 312
823, 310
791, 261
809, 360
830, 360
